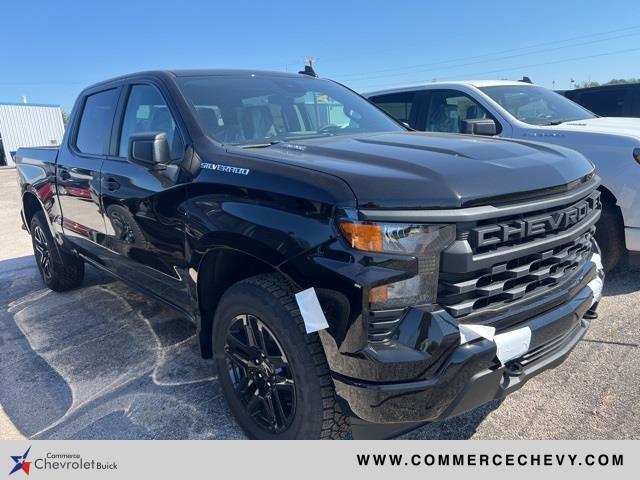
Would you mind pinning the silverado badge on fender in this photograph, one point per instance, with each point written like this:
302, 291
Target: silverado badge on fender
225, 168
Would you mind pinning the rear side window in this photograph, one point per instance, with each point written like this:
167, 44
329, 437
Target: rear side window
398, 105
95, 124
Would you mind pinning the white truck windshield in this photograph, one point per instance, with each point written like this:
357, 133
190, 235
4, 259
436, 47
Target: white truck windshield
536, 105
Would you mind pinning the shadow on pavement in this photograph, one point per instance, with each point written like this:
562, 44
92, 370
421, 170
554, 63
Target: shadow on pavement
102, 361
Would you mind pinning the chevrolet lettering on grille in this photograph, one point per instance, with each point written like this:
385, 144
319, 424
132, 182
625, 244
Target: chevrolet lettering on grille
487, 235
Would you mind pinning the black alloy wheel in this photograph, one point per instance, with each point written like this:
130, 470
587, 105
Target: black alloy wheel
260, 373
273, 374
42, 252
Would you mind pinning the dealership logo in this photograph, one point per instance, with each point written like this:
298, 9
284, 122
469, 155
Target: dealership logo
59, 461
21, 463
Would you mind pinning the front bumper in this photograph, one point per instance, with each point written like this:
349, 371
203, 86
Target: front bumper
469, 375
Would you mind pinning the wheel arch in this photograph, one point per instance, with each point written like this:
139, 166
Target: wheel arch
219, 268
609, 198
31, 204
607, 195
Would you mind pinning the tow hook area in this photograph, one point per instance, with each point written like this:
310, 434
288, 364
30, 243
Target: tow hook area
513, 369
592, 314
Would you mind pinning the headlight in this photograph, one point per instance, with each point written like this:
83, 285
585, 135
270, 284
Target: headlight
636, 154
425, 242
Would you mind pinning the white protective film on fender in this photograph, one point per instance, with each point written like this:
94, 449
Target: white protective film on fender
311, 310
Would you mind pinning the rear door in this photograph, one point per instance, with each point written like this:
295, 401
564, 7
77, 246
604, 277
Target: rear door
78, 170
144, 225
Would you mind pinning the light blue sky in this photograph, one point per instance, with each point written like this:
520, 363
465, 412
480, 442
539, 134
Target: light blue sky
49, 50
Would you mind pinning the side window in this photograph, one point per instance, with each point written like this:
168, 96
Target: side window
148, 112
449, 109
94, 129
398, 105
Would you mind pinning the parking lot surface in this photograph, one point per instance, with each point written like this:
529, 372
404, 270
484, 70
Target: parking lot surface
105, 362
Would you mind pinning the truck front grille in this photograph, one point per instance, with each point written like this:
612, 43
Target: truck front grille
506, 282
508, 260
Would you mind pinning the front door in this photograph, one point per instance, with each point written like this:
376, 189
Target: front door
144, 227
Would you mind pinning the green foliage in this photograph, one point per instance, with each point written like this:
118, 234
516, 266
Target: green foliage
614, 81
619, 81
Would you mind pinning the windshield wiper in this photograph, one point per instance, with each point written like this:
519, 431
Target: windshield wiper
260, 145
551, 124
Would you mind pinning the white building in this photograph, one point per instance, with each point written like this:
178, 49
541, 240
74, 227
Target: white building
28, 125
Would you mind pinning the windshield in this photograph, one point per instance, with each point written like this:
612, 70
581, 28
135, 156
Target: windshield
255, 110
536, 105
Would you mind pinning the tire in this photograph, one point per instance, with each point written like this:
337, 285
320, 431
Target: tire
294, 363
610, 235
60, 271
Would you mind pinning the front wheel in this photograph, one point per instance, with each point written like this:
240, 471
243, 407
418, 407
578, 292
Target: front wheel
273, 374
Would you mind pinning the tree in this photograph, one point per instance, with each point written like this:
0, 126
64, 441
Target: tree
586, 84
620, 81
614, 81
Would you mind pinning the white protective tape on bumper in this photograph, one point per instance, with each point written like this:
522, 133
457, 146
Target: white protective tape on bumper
597, 259
596, 287
471, 332
512, 344
311, 310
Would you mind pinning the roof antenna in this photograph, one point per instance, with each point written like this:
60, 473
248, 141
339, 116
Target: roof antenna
308, 68
526, 79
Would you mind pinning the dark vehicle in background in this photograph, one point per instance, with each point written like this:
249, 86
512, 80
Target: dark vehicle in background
338, 267
620, 100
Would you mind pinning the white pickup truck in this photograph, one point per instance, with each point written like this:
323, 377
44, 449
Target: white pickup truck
521, 110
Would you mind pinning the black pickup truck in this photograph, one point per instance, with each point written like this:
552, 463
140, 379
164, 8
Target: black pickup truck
343, 272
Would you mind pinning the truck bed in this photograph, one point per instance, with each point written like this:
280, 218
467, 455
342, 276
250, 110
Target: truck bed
36, 155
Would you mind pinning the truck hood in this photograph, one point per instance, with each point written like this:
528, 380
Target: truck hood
426, 170
612, 125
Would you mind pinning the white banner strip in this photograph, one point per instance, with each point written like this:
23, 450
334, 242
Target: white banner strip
320, 460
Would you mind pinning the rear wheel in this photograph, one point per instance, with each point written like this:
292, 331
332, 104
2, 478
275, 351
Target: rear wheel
59, 270
610, 235
274, 375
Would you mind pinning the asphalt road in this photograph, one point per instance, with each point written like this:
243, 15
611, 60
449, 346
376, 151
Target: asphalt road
104, 362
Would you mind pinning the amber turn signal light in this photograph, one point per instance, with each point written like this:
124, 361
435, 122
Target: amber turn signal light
363, 236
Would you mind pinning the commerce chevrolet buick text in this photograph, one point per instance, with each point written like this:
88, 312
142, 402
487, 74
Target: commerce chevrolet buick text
343, 272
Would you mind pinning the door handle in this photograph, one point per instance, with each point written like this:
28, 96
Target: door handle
64, 175
111, 184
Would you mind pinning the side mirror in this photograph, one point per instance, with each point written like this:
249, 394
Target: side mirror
481, 127
149, 149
